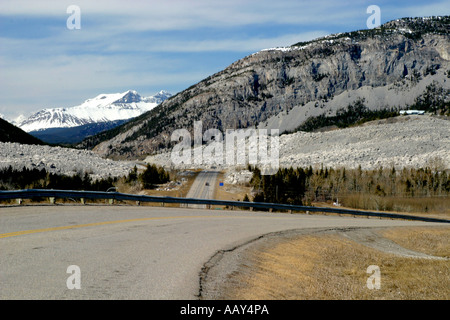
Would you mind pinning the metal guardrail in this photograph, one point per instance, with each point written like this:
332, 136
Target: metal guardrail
53, 194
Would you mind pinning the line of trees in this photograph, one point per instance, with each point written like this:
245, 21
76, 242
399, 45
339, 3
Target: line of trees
434, 99
306, 185
34, 178
150, 178
353, 114
13, 179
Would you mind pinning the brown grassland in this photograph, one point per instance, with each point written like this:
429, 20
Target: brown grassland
331, 267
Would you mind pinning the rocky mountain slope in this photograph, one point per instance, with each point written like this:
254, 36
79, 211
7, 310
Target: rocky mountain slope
10, 133
393, 66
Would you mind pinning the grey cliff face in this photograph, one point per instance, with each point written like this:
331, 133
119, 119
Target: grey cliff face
274, 81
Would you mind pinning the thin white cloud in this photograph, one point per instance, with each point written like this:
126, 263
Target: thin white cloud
181, 15
426, 9
55, 71
47, 86
111, 51
210, 45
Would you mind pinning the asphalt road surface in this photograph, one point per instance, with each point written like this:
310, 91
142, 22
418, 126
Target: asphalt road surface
130, 252
203, 187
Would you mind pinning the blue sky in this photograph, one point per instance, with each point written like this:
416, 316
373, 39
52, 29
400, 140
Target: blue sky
150, 46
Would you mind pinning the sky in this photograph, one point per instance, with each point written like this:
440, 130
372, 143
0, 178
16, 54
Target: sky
54, 57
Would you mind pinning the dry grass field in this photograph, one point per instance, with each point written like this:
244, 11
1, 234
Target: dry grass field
331, 267
230, 191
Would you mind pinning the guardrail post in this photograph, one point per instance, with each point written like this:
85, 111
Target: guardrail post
138, 203
19, 201
83, 201
111, 201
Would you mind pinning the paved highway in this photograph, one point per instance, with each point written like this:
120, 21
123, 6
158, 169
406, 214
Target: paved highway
130, 252
203, 187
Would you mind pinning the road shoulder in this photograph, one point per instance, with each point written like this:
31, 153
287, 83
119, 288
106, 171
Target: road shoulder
328, 264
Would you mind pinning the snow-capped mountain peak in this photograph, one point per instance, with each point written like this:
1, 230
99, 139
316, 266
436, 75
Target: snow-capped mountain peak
159, 97
102, 108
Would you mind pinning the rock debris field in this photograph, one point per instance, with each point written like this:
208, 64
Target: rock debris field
60, 160
405, 141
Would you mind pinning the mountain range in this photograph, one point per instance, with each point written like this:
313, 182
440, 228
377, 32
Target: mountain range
73, 124
402, 64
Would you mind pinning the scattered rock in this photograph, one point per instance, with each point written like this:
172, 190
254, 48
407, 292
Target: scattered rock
60, 160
